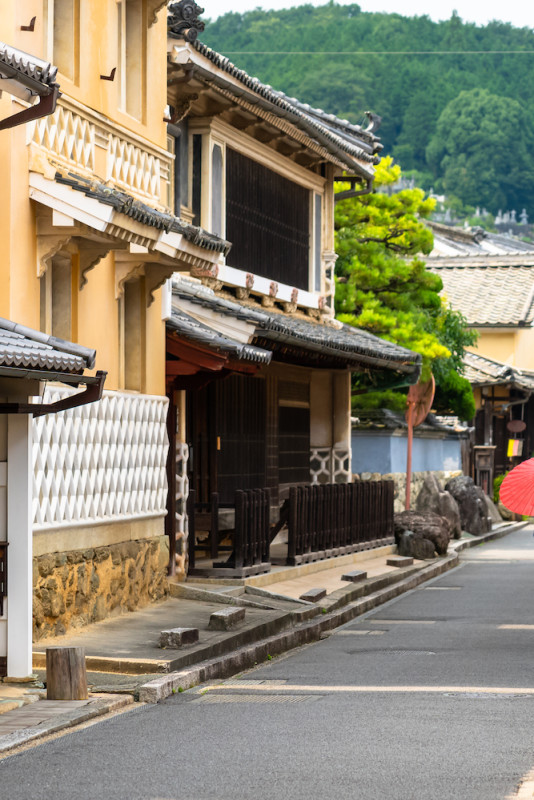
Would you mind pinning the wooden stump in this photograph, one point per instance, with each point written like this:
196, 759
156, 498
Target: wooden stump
66, 678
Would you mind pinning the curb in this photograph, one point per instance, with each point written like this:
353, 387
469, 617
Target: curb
497, 533
95, 708
305, 633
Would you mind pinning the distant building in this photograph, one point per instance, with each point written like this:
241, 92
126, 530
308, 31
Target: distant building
489, 278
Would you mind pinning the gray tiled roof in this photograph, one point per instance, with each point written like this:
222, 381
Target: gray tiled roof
482, 371
25, 347
384, 419
195, 331
354, 346
126, 204
459, 246
22, 73
350, 143
490, 296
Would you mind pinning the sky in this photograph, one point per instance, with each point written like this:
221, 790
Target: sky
519, 12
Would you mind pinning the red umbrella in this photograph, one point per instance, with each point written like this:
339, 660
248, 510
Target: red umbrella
517, 489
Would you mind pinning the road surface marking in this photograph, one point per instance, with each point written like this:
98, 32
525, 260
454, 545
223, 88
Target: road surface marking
504, 690
403, 621
516, 627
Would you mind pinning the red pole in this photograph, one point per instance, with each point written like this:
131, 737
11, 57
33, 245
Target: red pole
409, 455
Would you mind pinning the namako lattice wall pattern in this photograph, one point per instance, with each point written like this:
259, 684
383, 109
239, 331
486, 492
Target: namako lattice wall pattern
182, 493
101, 462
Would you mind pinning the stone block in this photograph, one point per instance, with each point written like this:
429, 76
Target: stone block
313, 595
227, 618
414, 546
354, 576
399, 561
178, 637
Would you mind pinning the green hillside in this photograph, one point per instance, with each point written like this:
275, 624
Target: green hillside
464, 122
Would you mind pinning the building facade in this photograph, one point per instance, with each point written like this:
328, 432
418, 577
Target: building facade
489, 278
89, 242
258, 369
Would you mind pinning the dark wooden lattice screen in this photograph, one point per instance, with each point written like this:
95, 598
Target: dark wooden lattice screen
267, 221
240, 415
294, 444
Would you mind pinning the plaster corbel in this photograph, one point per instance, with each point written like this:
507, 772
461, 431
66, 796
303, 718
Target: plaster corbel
49, 245
126, 270
155, 276
91, 253
154, 7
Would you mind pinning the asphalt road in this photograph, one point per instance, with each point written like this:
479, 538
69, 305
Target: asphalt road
428, 697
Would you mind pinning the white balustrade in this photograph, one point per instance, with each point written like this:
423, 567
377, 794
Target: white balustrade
130, 167
68, 136
71, 137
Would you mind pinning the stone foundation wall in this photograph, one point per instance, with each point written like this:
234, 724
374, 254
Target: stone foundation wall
399, 479
74, 588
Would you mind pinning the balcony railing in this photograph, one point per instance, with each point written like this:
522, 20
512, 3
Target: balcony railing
97, 147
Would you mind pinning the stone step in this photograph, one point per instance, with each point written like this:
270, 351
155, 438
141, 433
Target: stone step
399, 561
354, 576
227, 618
313, 595
175, 638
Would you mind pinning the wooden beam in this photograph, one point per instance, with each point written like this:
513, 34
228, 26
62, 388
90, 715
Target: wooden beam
202, 357
173, 368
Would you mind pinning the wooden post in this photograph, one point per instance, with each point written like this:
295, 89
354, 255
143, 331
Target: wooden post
66, 677
409, 455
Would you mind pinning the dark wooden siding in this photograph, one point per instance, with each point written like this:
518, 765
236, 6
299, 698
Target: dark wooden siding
267, 221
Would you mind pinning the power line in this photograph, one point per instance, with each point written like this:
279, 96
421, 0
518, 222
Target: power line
378, 52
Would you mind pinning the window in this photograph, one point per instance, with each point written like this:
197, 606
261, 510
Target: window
317, 240
64, 26
178, 189
267, 221
131, 67
197, 178
217, 190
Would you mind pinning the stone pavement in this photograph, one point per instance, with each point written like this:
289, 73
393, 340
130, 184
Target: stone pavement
124, 660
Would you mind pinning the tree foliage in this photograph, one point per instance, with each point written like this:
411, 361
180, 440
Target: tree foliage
470, 149
411, 93
384, 287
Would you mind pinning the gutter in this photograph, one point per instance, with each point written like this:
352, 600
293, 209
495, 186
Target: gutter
94, 387
45, 106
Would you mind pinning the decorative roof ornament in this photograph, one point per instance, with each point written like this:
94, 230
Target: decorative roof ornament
183, 21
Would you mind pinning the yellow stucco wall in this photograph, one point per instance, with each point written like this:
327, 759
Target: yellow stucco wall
98, 25
96, 308
514, 346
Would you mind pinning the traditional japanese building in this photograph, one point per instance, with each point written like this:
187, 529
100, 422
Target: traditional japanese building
151, 158
258, 369
489, 278
88, 243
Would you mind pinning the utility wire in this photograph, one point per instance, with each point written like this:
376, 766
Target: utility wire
377, 52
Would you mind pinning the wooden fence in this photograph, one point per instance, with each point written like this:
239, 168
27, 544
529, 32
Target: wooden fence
335, 519
249, 551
